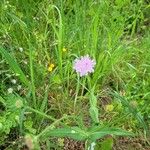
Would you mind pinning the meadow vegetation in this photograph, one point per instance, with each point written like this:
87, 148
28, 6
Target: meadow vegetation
45, 104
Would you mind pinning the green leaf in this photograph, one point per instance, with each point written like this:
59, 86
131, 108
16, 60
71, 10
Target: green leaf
94, 114
14, 66
107, 131
93, 107
57, 79
73, 132
45, 100
107, 144
2, 101
79, 134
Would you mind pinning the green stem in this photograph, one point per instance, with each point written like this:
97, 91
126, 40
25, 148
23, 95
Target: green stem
32, 75
83, 87
40, 113
86, 145
77, 91
51, 126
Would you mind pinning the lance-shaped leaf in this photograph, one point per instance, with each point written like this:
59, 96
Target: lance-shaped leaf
97, 134
73, 132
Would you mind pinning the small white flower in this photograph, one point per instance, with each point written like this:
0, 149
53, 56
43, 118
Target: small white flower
10, 90
13, 81
36, 18
25, 62
19, 87
20, 49
5, 36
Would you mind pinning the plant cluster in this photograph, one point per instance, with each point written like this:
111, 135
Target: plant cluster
73, 69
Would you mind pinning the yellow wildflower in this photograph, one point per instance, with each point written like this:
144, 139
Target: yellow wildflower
64, 49
109, 108
50, 67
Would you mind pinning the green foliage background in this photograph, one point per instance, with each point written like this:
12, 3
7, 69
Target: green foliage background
33, 35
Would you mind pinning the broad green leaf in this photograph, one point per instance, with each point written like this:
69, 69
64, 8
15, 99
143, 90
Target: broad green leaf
107, 144
108, 131
79, 134
73, 132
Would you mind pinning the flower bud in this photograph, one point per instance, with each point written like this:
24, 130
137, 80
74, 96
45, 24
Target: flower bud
133, 104
109, 108
29, 142
19, 104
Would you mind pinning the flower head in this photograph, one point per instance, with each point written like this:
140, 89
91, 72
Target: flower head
20, 49
64, 49
19, 87
109, 108
10, 90
50, 67
13, 81
84, 65
19, 104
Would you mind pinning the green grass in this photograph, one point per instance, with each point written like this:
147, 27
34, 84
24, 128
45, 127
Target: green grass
60, 103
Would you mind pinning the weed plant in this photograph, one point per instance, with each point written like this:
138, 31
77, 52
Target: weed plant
43, 100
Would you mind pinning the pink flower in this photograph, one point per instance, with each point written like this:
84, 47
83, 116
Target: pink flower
84, 65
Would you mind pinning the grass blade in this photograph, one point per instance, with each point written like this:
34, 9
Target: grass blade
14, 66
